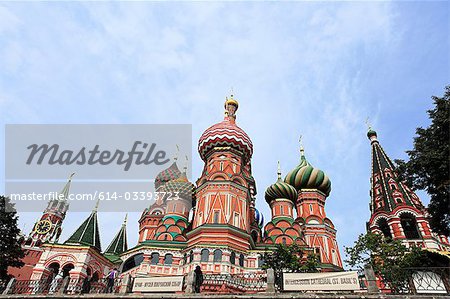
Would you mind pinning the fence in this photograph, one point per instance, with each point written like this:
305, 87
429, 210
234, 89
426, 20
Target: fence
234, 283
63, 286
429, 280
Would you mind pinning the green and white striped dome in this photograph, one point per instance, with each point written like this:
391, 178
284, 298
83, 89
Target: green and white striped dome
280, 190
305, 176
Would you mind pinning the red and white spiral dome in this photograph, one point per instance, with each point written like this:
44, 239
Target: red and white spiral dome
226, 133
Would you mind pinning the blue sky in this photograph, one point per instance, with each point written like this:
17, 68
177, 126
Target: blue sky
311, 68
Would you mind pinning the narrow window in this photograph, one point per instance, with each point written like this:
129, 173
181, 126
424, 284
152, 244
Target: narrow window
217, 256
233, 258
155, 258
216, 217
168, 259
236, 219
204, 255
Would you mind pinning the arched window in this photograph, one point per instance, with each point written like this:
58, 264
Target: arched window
155, 258
384, 227
204, 255
233, 258
255, 236
283, 240
66, 269
185, 259
241, 260
191, 256
54, 268
409, 225
168, 259
217, 256
132, 262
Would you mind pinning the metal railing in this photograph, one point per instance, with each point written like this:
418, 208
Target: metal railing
74, 286
426, 280
234, 283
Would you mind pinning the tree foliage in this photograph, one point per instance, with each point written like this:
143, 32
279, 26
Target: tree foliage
11, 251
289, 258
390, 259
428, 167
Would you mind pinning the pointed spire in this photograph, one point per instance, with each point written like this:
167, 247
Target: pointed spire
88, 233
175, 157
119, 243
387, 189
96, 206
65, 190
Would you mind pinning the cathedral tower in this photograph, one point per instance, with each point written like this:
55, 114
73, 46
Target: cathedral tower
224, 213
313, 187
396, 211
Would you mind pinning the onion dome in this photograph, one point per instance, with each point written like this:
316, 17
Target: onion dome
259, 217
280, 190
226, 133
371, 133
305, 176
168, 174
181, 187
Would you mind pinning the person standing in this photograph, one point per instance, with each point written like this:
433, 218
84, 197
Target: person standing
110, 280
198, 279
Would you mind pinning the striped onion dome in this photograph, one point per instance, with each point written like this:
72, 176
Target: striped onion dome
168, 174
280, 190
226, 133
305, 176
259, 217
181, 185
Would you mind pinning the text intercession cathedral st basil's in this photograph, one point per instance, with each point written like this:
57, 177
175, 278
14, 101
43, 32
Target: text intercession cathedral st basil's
214, 224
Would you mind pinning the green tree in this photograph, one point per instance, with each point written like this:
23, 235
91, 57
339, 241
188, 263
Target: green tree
385, 256
391, 260
11, 251
428, 167
289, 258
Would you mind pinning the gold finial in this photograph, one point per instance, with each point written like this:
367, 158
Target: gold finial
126, 219
231, 106
71, 176
302, 150
186, 165
369, 126
279, 171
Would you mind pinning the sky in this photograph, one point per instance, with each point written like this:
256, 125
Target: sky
316, 69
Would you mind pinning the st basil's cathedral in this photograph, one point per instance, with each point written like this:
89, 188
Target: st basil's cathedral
214, 223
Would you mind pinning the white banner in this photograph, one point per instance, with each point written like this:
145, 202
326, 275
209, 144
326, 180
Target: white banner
329, 281
158, 284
